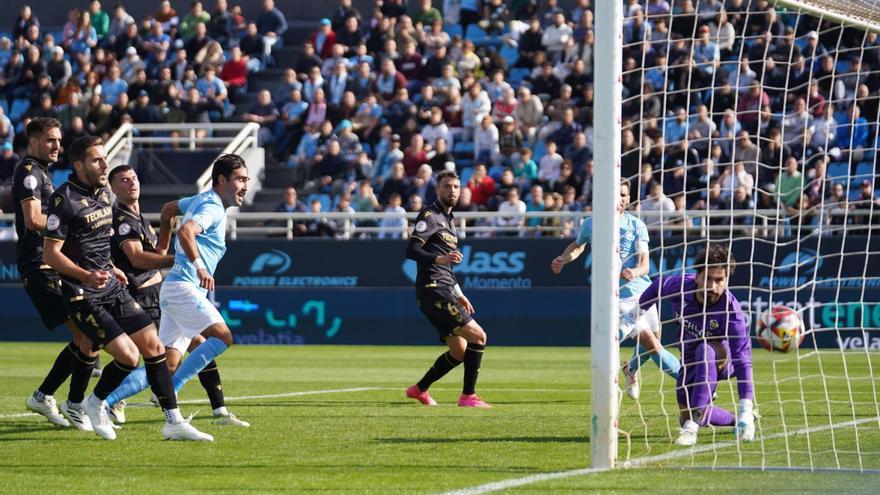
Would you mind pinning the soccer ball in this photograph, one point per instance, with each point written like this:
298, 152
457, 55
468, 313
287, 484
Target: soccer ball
780, 329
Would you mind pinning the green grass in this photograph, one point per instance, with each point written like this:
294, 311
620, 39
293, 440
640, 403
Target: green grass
375, 441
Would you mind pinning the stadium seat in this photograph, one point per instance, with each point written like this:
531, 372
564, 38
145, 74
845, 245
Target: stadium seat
864, 170
19, 107
326, 201
837, 171
463, 148
476, 34
465, 175
452, 30
5, 106
59, 176
509, 53
539, 150
517, 74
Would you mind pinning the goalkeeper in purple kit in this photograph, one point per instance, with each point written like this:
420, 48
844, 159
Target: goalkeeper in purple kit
714, 341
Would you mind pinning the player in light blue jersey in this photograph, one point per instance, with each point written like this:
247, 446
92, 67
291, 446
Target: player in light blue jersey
187, 313
644, 326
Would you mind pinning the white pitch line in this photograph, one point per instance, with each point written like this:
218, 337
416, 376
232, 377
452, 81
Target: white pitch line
307, 392
244, 397
640, 461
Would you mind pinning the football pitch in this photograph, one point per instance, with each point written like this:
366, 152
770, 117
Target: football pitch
333, 419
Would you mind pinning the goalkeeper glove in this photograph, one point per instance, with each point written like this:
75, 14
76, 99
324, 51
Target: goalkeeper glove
745, 423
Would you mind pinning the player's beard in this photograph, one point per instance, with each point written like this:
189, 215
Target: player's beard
448, 203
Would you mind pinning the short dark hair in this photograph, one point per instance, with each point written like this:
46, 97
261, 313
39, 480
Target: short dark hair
715, 255
446, 174
118, 170
626, 182
39, 125
225, 165
81, 145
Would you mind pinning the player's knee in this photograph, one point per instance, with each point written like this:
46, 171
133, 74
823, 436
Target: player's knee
226, 337
478, 335
196, 341
649, 341
219, 331
128, 357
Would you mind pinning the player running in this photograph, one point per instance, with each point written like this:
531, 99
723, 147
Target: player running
135, 253
31, 189
644, 326
201, 242
715, 344
77, 246
434, 246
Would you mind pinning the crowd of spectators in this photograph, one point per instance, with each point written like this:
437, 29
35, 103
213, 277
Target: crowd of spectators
733, 105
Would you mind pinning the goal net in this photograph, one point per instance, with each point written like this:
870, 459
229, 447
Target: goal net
754, 124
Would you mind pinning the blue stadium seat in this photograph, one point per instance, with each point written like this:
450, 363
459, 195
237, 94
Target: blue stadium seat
517, 74
539, 150
476, 34
463, 163
5, 106
509, 53
326, 201
59, 176
465, 175
463, 147
838, 171
452, 30
19, 107
864, 170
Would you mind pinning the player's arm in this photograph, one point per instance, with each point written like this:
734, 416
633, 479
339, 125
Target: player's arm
415, 249
59, 262
32, 213
642, 258
145, 260
169, 211
60, 215
573, 250
641, 268
651, 295
186, 236
741, 356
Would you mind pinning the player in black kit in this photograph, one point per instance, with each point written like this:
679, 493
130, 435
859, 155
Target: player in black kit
77, 245
31, 189
135, 252
434, 246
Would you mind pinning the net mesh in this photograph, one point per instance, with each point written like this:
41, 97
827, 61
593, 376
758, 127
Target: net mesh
755, 125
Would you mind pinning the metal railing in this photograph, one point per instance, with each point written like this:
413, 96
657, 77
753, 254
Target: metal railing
120, 145
762, 223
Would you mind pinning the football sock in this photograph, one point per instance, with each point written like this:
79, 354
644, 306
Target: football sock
197, 360
79, 379
210, 380
220, 411
173, 415
667, 362
61, 369
444, 364
473, 356
639, 357
134, 383
114, 374
718, 417
159, 379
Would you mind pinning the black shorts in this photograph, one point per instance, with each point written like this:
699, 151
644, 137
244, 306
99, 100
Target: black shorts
44, 289
443, 310
148, 298
105, 319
